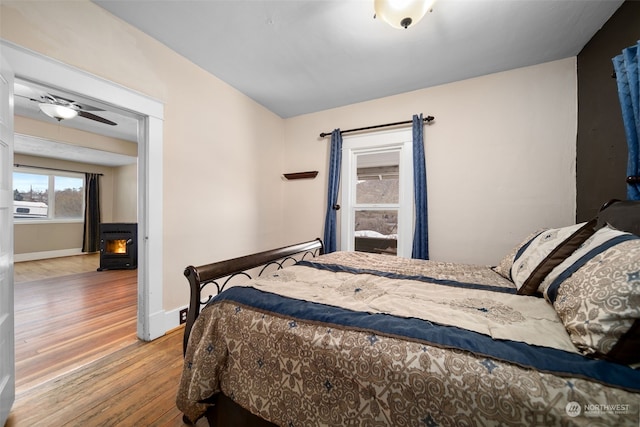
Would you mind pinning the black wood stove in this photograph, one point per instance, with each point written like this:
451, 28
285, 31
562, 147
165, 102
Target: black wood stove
118, 246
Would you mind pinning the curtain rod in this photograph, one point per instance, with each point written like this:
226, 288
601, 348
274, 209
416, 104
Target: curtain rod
50, 169
426, 119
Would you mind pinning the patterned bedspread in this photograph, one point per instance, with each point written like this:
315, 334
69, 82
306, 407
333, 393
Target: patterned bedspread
372, 340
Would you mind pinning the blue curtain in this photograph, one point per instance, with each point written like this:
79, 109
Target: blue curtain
335, 160
421, 229
626, 68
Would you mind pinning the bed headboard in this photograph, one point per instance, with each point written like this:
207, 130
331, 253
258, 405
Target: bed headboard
249, 266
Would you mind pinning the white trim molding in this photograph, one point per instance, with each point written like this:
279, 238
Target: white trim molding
33, 66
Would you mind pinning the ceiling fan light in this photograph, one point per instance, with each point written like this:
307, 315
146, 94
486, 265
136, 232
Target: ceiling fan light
58, 112
402, 13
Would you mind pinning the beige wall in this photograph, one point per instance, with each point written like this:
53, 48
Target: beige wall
223, 153
125, 194
46, 240
500, 158
501, 155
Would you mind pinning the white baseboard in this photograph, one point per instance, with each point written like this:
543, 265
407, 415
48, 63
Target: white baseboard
161, 323
33, 256
172, 318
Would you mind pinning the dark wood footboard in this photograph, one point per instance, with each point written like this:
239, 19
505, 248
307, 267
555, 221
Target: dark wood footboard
249, 266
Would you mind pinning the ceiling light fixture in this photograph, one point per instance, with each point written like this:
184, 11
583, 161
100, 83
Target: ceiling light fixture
402, 13
58, 112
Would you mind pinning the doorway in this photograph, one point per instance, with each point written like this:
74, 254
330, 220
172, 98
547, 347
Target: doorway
37, 68
66, 313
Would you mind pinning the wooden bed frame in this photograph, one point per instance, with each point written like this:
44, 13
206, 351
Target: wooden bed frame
225, 412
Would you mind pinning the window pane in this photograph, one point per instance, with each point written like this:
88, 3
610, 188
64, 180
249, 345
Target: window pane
30, 195
47, 196
69, 197
376, 231
378, 178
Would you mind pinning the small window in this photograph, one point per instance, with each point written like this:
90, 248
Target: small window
377, 189
48, 195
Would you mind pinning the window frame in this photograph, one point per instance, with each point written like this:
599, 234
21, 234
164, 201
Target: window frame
51, 174
379, 142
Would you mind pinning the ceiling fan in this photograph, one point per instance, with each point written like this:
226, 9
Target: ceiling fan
59, 107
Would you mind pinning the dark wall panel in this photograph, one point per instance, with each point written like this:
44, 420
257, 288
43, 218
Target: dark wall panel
601, 143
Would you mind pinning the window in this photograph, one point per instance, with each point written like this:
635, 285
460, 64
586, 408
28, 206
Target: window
48, 195
377, 193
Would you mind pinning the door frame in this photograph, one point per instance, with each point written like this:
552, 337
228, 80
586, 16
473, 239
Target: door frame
7, 322
39, 68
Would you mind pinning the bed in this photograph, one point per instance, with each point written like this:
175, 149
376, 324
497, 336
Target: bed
548, 336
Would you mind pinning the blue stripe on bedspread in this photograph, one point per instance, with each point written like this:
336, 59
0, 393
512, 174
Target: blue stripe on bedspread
446, 282
550, 360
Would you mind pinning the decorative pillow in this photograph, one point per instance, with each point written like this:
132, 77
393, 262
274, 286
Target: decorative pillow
504, 267
548, 249
596, 293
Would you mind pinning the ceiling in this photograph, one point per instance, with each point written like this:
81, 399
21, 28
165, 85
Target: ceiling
29, 94
298, 57
27, 97
303, 56
26, 144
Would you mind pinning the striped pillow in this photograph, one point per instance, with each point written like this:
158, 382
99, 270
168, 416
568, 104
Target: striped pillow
596, 293
551, 247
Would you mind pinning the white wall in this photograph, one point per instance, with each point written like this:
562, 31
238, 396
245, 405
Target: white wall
500, 158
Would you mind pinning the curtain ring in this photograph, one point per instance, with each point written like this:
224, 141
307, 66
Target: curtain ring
336, 207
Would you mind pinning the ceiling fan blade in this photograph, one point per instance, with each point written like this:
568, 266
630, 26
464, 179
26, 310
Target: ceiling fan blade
72, 103
91, 116
86, 107
26, 97
59, 98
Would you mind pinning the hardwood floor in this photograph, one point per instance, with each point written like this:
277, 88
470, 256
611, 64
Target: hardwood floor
78, 361
63, 323
134, 386
55, 267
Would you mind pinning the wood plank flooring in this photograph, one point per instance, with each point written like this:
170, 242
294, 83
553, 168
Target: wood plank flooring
55, 267
135, 386
63, 323
78, 361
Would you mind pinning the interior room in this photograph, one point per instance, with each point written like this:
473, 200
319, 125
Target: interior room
225, 117
48, 145
48, 246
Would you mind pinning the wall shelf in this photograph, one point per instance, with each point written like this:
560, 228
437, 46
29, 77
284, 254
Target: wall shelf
301, 175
